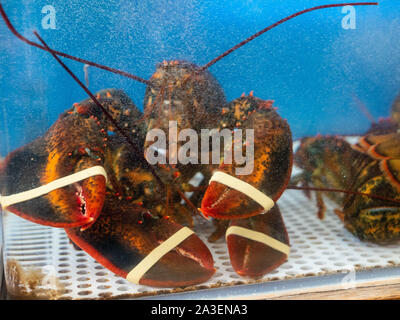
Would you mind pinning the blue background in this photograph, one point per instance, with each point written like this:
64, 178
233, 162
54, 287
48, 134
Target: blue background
313, 68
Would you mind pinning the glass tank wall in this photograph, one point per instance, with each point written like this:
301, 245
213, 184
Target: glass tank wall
152, 147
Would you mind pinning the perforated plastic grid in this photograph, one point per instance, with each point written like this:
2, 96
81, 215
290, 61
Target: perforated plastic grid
317, 248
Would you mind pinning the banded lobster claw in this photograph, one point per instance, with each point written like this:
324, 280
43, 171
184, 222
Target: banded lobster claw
40, 164
270, 158
259, 244
128, 240
58, 180
256, 237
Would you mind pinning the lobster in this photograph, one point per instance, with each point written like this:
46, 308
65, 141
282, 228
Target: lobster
327, 162
331, 162
90, 175
369, 174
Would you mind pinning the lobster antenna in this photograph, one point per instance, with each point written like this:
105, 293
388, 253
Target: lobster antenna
363, 108
259, 33
108, 115
94, 64
344, 191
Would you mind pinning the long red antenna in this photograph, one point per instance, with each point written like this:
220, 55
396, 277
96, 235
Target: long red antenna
206, 66
259, 33
363, 108
343, 191
94, 64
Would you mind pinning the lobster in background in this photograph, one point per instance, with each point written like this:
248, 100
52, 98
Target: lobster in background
369, 168
128, 214
327, 162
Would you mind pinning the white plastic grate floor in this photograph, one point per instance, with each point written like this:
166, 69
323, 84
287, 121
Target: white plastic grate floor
317, 248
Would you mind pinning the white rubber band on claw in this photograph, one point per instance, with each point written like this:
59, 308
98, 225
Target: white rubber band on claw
262, 199
260, 237
6, 201
157, 253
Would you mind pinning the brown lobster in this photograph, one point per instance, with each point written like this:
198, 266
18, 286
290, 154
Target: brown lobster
128, 211
368, 171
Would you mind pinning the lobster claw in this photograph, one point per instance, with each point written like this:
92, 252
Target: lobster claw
259, 244
28, 172
57, 180
127, 240
223, 201
269, 157
73, 149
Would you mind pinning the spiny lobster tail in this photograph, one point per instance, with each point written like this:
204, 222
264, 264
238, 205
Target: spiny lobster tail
94, 64
259, 33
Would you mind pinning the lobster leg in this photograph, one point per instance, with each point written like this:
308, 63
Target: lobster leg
321, 206
125, 234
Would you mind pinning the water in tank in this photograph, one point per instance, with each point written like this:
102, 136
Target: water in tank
154, 146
